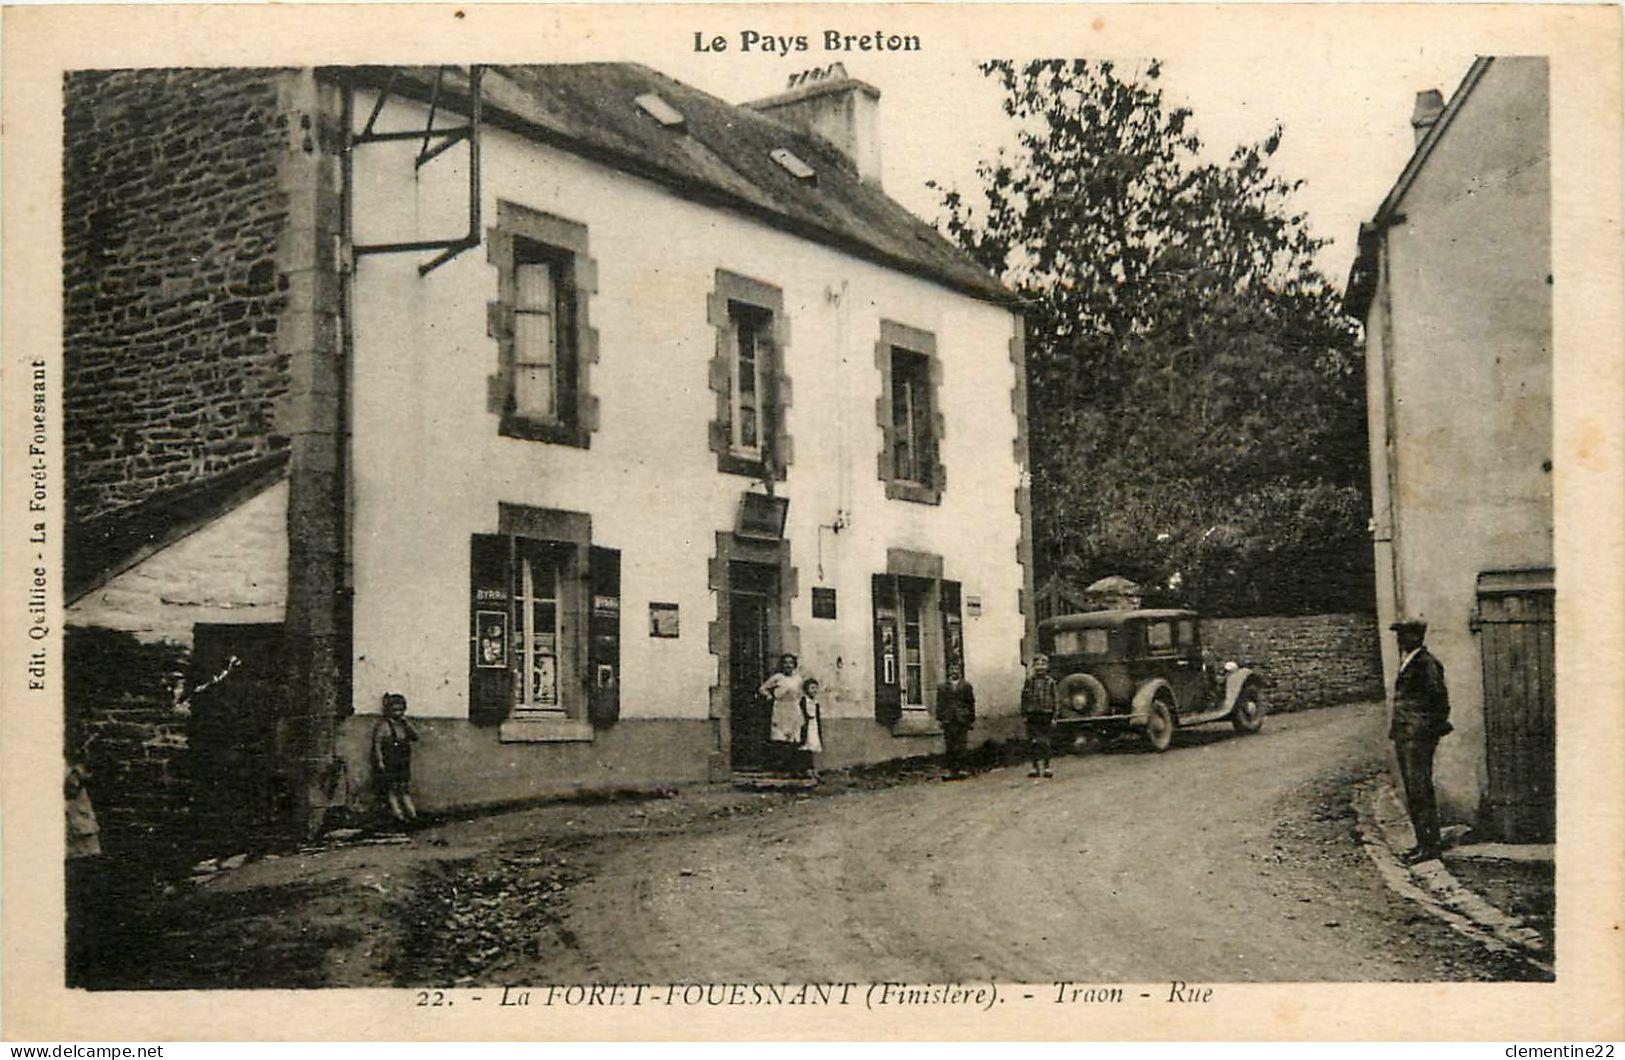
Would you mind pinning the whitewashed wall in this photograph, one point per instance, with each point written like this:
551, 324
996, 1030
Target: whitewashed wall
430, 467
234, 569
1460, 331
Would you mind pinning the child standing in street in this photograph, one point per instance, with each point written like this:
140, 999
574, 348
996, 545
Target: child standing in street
1038, 706
956, 713
812, 735
392, 740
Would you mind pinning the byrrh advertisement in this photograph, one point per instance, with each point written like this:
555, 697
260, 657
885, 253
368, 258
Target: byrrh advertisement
1141, 486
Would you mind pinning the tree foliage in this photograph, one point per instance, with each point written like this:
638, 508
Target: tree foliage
1196, 398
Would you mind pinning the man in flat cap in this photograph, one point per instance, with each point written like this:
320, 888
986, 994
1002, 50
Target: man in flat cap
1421, 716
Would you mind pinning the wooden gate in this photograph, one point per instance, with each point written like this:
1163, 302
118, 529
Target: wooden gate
1515, 625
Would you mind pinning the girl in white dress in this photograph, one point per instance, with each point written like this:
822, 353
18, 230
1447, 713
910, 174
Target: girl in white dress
812, 725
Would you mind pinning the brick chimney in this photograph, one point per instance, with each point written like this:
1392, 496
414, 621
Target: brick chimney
1429, 105
841, 109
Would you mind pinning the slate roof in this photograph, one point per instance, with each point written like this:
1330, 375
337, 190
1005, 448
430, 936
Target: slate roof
720, 157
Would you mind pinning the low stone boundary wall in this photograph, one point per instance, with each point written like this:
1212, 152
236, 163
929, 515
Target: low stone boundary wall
1309, 660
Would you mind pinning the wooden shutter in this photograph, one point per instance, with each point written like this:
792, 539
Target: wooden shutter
888, 645
953, 627
490, 618
604, 637
567, 346
767, 407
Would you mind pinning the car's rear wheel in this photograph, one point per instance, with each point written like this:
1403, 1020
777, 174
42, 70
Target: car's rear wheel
1248, 715
1159, 725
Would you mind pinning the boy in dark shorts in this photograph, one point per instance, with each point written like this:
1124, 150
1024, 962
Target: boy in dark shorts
1038, 705
392, 740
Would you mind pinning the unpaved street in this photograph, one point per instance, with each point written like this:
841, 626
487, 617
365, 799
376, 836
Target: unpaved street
1228, 858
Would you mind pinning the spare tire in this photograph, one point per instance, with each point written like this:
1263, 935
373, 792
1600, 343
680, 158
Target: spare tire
1081, 695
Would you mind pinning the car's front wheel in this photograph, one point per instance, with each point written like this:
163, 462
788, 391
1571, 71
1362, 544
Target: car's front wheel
1159, 725
1248, 715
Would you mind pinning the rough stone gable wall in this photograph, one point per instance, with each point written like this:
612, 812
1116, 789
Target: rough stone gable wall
175, 227
1309, 660
172, 215
121, 721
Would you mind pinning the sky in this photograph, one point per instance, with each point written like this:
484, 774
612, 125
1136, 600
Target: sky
1346, 115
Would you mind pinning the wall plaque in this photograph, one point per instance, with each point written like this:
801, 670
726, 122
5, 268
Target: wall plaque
662, 620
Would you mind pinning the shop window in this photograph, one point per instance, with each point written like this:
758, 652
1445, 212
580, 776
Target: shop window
918, 637
912, 594
747, 374
539, 630
910, 415
545, 636
540, 321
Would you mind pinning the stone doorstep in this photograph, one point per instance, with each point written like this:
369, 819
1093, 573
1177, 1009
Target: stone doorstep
753, 780
1386, 830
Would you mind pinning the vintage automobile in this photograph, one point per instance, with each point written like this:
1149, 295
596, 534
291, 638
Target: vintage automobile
1143, 671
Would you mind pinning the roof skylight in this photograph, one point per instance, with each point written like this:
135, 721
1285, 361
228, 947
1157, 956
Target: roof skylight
660, 110
792, 164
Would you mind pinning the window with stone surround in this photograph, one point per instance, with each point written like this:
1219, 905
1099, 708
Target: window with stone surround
909, 414
540, 321
544, 627
748, 377
918, 637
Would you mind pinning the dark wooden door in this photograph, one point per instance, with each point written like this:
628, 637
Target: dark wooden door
238, 766
752, 606
1515, 625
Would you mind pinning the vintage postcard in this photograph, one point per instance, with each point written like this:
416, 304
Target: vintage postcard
787, 521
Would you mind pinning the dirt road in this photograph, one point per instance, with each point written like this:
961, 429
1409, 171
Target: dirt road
1228, 858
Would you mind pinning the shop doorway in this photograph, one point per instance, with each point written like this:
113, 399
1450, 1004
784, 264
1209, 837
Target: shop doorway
753, 647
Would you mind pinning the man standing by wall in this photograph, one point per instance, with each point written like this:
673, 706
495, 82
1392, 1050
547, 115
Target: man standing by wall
1421, 716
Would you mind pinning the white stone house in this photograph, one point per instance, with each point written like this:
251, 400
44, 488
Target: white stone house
597, 406
1453, 283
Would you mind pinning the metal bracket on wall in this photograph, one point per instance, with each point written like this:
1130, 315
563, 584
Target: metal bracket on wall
433, 142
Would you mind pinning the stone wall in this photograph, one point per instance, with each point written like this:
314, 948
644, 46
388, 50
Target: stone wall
175, 229
120, 719
1309, 660
172, 216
